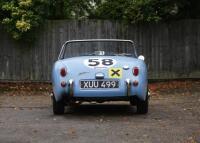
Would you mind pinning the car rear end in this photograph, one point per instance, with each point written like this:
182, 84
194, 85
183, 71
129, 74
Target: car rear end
103, 74
74, 78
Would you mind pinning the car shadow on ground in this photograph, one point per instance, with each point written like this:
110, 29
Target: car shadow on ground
104, 109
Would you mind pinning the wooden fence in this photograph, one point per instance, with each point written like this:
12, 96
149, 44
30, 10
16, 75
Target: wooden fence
172, 50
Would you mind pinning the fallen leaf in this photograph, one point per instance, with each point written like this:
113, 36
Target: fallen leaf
72, 132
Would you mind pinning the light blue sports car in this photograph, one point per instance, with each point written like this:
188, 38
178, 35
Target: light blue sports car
99, 70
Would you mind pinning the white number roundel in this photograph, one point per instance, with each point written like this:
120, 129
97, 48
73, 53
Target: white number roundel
99, 62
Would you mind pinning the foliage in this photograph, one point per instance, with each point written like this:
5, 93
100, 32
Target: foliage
72, 9
21, 16
111, 9
135, 11
79, 9
149, 10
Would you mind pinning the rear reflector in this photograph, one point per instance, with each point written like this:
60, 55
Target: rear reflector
63, 72
135, 83
63, 84
135, 71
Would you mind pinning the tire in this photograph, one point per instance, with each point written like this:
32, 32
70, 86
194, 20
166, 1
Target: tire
58, 107
133, 101
142, 106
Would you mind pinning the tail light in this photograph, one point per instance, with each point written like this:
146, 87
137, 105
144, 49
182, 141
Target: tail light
63, 72
135, 71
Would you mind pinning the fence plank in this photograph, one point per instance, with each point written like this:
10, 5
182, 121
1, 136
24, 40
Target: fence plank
171, 49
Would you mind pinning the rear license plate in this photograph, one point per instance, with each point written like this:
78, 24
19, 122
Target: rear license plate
88, 84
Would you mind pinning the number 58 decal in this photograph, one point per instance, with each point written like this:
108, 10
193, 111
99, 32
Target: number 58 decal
95, 62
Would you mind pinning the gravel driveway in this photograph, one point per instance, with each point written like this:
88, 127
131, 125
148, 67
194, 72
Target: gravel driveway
173, 117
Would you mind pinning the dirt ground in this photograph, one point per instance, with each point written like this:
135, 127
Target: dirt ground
174, 117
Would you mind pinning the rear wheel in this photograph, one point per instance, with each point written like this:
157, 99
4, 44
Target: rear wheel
133, 101
58, 106
142, 106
